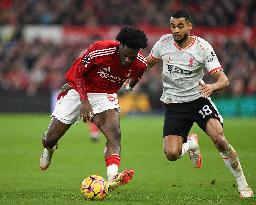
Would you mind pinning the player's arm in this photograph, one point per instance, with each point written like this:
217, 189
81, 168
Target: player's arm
86, 112
130, 84
221, 82
133, 80
151, 61
83, 67
214, 68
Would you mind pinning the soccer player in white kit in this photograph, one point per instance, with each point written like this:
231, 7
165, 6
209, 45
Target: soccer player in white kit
186, 96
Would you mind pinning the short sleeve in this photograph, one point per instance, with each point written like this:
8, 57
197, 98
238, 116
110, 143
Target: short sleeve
155, 52
86, 63
211, 61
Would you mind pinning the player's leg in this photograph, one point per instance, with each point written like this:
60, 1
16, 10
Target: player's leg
94, 132
109, 124
175, 147
215, 130
172, 145
211, 122
54, 132
175, 132
66, 112
50, 139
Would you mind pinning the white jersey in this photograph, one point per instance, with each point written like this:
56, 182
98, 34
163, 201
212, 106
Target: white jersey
183, 67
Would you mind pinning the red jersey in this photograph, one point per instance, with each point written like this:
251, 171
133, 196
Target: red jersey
99, 69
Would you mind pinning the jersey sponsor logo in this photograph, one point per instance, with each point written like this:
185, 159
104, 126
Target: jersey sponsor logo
105, 73
107, 69
175, 69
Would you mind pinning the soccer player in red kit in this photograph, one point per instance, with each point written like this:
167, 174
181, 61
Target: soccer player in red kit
94, 132
90, 95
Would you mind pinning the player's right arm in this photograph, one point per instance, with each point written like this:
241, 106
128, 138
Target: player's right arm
85, 65
86, 111
154, 56
151, 61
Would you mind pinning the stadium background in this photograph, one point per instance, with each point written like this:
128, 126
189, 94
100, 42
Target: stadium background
39, 39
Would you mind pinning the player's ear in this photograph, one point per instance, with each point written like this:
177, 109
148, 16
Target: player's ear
121, 47
190, 25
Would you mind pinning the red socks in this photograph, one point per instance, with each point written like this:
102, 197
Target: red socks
113, 159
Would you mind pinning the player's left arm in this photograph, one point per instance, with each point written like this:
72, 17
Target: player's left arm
221, 82
131, 83
128, 86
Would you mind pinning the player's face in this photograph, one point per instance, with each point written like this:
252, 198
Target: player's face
180, 29
127, 55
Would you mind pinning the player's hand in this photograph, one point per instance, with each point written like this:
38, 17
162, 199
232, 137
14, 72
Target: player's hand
125, 89
86, 112
205, 89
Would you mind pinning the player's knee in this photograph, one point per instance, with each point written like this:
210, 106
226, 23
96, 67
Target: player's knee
172, 155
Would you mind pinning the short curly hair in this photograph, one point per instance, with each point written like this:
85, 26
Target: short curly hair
182, 14
132, 37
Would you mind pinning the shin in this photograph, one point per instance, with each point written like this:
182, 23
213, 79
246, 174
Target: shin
55, 131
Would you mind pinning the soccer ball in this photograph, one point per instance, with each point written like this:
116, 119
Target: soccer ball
94, 187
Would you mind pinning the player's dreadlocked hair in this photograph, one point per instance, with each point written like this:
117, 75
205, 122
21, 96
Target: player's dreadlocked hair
182, 14
132, 37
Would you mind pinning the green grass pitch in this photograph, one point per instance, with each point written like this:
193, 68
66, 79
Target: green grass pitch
156, 181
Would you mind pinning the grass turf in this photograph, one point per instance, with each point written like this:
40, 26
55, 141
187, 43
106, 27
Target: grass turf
156, 180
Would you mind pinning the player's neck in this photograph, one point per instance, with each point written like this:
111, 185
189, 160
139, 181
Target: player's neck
186, 42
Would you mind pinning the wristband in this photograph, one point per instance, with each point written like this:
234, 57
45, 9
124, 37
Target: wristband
128, 87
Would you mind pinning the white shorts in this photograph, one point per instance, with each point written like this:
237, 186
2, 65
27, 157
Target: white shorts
67, 108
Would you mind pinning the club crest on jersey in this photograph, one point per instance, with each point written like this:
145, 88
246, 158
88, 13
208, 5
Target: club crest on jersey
86, 59
191, 62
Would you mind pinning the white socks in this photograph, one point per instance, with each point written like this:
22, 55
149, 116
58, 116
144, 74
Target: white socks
185, 148
232, 162
188, 146
112, 170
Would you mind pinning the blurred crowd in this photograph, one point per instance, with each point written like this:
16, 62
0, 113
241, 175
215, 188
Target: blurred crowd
39, 66
119, 12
